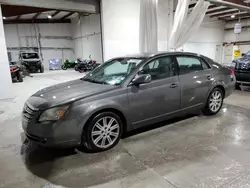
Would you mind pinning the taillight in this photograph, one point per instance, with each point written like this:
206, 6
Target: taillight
231, 70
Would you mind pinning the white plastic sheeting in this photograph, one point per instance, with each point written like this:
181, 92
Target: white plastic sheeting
148, 42
185, 25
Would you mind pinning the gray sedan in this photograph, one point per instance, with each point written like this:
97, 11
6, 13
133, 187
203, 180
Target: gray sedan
124, 94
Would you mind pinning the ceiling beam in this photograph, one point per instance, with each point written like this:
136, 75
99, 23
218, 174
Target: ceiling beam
9, 10
239, 4
67, 15
55, 13
210, 7
217, 10
90, 6
37, 14
28, 21
18, 17
224, 13
236, 19
238, 16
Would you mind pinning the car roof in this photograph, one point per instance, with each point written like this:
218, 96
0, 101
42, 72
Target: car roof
148, 55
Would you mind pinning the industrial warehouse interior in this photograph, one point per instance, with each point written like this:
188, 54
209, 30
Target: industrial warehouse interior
125, 94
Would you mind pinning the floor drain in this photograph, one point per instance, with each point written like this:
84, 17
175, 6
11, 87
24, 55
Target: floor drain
1, 112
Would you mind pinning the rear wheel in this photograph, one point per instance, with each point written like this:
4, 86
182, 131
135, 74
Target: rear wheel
102, 132
214, 102
64, 67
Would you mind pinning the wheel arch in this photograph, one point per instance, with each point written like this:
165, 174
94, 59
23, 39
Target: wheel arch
109, 109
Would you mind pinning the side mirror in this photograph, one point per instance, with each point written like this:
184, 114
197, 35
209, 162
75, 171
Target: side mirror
142, 79
243, 54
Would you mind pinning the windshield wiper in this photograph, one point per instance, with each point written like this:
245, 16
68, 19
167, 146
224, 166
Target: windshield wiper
93, 81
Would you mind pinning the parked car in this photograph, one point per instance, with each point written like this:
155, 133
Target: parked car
123, 94
16, 73
31, 62
241, 68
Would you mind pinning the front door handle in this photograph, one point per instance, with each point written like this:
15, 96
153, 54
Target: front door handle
209, 77
173, 85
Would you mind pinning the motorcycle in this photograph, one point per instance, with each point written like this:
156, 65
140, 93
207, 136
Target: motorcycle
86, 65
68, 64
16, 73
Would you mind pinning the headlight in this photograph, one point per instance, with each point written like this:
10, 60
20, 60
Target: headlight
53, 114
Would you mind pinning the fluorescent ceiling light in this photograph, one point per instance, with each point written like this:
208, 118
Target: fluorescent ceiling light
233, 16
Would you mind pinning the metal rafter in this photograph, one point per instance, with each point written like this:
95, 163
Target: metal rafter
27, 21
67, 15
193, 5
224, 13
235, 19
37, 14
218, 10
55, 13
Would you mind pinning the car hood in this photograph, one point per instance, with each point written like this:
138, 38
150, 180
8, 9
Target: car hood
65, 93
242, 60
242, 63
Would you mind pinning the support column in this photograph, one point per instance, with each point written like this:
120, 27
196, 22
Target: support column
5, 78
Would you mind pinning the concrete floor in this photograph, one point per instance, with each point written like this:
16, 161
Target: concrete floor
189, 152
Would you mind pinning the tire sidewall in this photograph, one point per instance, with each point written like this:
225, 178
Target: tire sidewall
209, 111
87, 137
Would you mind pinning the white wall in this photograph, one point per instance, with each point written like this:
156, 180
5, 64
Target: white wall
53, 36
87, 37
121, 30
205, 40
230, 36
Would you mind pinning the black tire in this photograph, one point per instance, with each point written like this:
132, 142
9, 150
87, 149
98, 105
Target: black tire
87, 138
207, 110
42, 69
64, 67
237, 86
19, 76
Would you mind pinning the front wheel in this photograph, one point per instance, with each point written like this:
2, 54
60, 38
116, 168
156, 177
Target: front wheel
214, 102
102, 132
42, 69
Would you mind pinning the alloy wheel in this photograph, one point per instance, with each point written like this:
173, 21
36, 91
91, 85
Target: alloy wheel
215, 101
105, 132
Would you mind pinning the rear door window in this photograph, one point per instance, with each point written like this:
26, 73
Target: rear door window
188, 64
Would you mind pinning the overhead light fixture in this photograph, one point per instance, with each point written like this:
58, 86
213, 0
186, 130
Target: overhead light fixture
49, 16
4, 18
233, 16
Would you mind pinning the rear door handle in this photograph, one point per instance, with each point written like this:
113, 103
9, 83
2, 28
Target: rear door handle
209, 77
173, 85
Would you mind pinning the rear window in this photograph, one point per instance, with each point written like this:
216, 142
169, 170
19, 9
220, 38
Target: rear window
30, 56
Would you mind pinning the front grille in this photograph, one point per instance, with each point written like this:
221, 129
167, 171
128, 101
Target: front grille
28, 112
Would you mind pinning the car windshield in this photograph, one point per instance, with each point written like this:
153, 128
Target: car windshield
248, 53
113, 72
30, 56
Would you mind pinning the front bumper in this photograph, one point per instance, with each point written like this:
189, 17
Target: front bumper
50, 134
